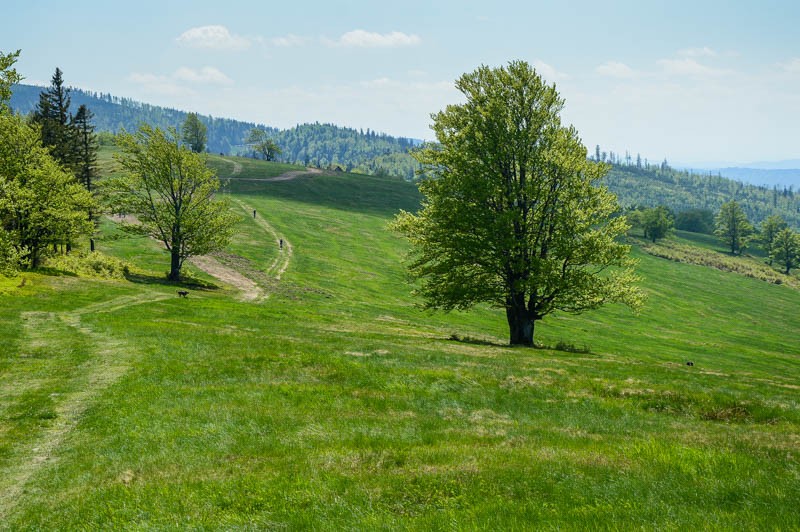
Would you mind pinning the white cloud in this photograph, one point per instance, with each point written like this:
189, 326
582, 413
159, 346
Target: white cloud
688, 67
289, 40
615, 69
207, 75
547, 71
366, 39
213, 37
705, 51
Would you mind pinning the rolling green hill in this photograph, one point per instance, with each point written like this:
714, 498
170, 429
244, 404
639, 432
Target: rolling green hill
332, 402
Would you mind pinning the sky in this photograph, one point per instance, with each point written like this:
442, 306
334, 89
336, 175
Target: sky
701, 82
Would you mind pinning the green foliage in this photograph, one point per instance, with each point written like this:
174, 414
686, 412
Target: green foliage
656, 223
40, 203
94, 264
695, 221
513, 215
785, 249
171, 191
681, 190
86, 146
260, 141
733, 227
8, 77
769, 231
194, 133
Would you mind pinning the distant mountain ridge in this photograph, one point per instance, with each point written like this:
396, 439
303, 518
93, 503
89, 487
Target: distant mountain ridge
309, 144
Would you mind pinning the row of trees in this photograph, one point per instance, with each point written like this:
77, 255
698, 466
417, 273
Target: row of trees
780, 244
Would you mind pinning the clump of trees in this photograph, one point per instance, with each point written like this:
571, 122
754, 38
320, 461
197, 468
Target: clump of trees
655, 222
42, 205
172, 193
514, 214
194, 133
261, 142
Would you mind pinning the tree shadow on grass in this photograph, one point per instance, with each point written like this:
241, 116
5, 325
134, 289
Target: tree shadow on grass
188, 282
561, 345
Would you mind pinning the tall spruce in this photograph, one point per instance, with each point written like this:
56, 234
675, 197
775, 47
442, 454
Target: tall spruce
55, 122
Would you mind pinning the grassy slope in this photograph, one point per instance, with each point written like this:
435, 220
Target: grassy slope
336, 404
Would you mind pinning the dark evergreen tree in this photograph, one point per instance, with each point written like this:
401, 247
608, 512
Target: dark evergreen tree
87, 146
53, 117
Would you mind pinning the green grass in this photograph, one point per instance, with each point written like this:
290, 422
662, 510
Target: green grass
337, 404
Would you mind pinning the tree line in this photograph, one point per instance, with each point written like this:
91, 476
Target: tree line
736, 232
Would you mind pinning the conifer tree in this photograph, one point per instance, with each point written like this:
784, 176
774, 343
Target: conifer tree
53, 116
86, 146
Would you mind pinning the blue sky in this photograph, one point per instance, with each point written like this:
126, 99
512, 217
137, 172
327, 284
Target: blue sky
693, 81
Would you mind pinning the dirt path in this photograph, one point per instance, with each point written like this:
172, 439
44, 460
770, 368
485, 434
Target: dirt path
286, 176
284, 257
109, 359
250, 291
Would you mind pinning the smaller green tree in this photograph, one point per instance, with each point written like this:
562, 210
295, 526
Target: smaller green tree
172, 192
657, 222
786, 249
769, 231
194, 133
260, 141
733, 227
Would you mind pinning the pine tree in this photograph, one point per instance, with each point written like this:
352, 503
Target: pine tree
53, 116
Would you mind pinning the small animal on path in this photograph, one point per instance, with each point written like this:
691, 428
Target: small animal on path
183, 293
690, 363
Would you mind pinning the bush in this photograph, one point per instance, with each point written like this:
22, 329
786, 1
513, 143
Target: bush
93, 264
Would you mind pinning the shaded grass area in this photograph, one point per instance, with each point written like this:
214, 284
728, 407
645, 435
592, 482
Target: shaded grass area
336, 404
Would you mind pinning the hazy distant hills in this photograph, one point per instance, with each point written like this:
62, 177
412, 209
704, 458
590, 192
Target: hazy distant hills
771, 177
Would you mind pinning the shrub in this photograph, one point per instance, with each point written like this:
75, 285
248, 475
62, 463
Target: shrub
93, 264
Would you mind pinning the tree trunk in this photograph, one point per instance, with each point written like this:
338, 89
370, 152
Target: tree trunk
175, 265
520, 321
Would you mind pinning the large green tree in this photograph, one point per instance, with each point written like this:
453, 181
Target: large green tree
786, 249
194, 133
733, 227
172, 192
513, 211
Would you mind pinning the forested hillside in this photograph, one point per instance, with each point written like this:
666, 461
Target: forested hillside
113, 114
681, 190
317, 144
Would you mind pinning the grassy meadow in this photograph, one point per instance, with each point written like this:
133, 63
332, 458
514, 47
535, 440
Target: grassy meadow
334, 403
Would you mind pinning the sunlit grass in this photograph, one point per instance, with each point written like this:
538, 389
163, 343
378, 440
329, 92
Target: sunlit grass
337, 404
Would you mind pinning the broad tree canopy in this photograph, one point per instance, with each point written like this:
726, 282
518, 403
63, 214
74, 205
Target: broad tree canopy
513, 211
172, 192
